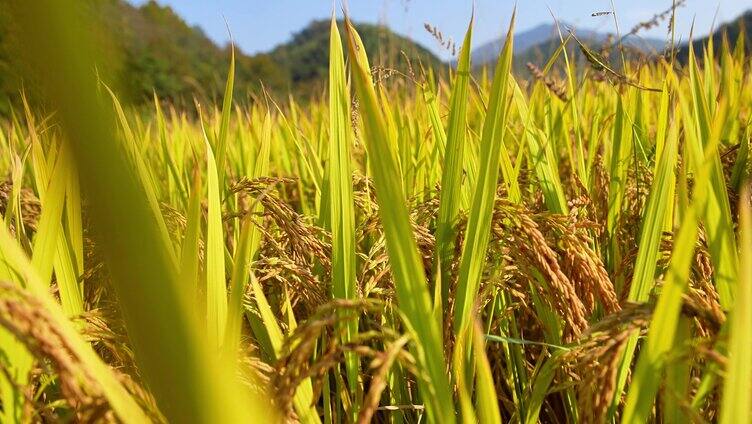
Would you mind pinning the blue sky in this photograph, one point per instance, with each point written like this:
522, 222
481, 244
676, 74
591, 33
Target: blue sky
259, 25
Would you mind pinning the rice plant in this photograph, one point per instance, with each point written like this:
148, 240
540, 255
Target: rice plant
576, 247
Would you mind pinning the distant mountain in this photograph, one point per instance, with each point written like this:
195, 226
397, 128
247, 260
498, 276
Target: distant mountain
306, 55
732, 30
523, 40
543, 36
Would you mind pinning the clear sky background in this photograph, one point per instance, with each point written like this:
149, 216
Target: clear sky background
259, 25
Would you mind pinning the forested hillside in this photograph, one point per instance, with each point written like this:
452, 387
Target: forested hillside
152, 49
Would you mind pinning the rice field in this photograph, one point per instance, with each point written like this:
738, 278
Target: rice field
576, 247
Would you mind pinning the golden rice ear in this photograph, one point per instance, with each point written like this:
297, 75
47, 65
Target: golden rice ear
29, 321
555, 87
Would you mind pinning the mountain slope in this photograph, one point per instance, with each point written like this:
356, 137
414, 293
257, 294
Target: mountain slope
163, 53
148, 49
306, 55
733, 29
543, 36
152, 49
489, 52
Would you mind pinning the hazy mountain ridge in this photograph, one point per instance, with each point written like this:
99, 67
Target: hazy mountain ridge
545, 35
732, 30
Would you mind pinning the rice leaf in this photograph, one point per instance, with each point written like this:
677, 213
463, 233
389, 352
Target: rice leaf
239, 280
656, 214
216, 285
663, 326
484, 196
51, 249
189, 254
162, 129
342, 213
660, 337
717, 215
303, 398
540, 387
463, 376
487, 400
451, 180
224, 126
738, 384
142, 173
541, 155
621, 155
410, 281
